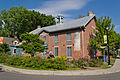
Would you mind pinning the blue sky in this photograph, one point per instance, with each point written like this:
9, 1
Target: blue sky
70, 9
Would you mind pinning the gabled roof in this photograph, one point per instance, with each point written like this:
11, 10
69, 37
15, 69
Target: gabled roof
9, 40
78, 23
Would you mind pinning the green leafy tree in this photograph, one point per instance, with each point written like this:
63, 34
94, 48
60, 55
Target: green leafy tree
81, 16
31, 43
98, 40
18, 20
4, 47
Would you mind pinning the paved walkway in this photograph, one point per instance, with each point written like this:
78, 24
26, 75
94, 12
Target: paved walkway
114, 69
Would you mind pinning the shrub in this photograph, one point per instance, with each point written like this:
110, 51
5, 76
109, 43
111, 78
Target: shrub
81, 63
95, 63
57, 63
14, 60
3, 57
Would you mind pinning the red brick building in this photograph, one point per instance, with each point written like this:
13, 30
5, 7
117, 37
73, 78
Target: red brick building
69, 39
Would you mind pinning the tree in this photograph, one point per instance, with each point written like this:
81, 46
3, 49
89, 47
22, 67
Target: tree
4, 47
80, 16
18, 20
98, 40
31, 43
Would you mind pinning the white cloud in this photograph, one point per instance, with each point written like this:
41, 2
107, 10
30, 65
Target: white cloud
117, 28
56, 7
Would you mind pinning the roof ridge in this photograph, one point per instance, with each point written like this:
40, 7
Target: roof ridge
64, 26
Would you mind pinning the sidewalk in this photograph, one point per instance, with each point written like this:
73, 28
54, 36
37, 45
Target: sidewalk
114, 69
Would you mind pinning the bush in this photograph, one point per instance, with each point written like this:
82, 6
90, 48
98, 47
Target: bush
57, 63
3, 58
81, 63
95, 63
14, 60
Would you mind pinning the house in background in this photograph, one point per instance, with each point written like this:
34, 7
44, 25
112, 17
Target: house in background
69, 39
14, 45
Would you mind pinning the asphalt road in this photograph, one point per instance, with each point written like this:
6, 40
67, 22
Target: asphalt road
15, 76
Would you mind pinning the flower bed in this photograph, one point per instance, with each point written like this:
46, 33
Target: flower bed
57, 63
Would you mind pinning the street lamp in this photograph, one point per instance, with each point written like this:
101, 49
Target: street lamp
108, 46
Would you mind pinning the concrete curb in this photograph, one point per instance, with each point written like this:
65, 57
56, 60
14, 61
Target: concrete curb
114, 69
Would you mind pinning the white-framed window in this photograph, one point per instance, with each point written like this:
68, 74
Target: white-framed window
69, 38
44, 38
15, 42
14, 51
93, 34
93, 27
56, 38
56, 51
69, 51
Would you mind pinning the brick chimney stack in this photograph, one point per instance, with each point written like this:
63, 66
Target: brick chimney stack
39, 26
15, 37
91, 13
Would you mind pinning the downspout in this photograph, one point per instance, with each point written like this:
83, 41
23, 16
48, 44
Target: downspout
83, 43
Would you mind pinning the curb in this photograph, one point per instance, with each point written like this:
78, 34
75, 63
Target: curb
114, 69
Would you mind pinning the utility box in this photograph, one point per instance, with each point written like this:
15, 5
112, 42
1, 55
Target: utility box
105, 59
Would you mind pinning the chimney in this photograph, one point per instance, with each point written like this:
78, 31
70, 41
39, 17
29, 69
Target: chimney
15, 37
91, 13
39, 27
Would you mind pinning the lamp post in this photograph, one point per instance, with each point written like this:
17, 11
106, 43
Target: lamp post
108, 46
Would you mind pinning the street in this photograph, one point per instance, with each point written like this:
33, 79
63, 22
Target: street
15, 76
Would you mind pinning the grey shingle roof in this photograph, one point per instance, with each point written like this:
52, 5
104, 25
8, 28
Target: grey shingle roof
9, 40
65, 26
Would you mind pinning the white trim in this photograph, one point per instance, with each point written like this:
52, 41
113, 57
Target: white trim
56, 46
89, 20
69, 46
71, 49
13, 51
92, 26
83, 42
54, 50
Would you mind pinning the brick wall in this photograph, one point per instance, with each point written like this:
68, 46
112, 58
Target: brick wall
87, 34
62, 44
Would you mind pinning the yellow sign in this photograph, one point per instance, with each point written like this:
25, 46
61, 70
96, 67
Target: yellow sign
1, 40
105, 39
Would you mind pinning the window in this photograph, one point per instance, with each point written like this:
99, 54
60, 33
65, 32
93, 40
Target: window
69, 51
69, 36
44, 38
14, 51
93, 35
56, 51
56, 38
93, 27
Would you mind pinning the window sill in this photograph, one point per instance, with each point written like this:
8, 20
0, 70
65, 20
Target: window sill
55, 56
69, 40
69, 57
56, 41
